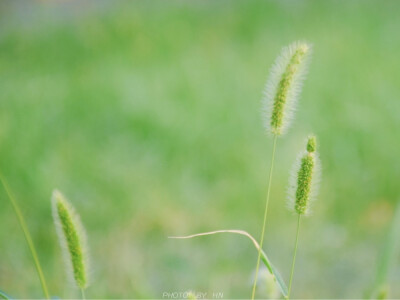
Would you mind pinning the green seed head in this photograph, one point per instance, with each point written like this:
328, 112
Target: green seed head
311, 144
284, 86
72, 238
304, 181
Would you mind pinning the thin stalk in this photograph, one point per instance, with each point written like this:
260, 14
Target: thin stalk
83, 294
28, 238
265, 217
294, 256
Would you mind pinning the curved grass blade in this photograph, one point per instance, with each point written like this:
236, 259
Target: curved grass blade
274, 272
27, 235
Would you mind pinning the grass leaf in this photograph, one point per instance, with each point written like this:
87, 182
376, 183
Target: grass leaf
4, 296
274, 272
27, 235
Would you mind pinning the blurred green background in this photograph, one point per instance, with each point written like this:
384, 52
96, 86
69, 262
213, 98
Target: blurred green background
146, 114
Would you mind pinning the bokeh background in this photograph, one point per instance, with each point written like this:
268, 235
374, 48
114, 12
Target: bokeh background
146, 114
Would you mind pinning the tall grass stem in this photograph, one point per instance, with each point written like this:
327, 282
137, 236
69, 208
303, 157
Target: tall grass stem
265, 217
294, 255
27, 235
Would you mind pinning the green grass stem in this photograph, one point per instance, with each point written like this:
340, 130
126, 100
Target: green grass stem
294, 255
265, 217
27, 235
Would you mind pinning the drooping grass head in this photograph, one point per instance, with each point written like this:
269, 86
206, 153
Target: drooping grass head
284, 85
304, 179
72, 238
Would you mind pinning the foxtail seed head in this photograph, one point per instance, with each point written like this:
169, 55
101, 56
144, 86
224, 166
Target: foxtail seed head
72, 238
284, 85
311, 144
304, 180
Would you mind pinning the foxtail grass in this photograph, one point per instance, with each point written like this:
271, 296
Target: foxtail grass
283, 87
27, 235
72, 238
280, 96
303, 190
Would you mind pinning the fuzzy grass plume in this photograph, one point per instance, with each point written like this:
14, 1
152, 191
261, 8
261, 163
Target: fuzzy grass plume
72, 238
284, 85
304, 180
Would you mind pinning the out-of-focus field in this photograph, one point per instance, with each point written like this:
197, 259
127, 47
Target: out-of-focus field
147, 116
